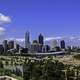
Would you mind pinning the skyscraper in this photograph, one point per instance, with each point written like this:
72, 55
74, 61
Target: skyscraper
41, 39
27, 40
5, 46
11, 44
34, 46
62, 44
17, 47
45, 48
1, 49
54, 44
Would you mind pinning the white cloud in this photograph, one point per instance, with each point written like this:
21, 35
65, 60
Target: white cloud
72, 38
52, 38
2, 30
17, 39
10, 39
65, 38
79, 39
20, 39
4, 19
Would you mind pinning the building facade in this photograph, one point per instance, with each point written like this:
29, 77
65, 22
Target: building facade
5, 46
41, 39
62, 44
27, 40
11, 44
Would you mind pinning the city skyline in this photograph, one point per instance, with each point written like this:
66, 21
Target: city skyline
51, 18
40, 39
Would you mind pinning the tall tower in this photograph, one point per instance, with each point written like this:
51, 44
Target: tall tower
62, 43
41, 39
27, 40
5, 46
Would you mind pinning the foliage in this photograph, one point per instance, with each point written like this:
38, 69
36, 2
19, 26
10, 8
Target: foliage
43, 70
1, 64
77, 56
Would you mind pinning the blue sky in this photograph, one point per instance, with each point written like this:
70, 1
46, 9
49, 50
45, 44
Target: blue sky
50, 17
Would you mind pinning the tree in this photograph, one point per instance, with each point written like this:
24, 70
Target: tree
43, 70
1, 64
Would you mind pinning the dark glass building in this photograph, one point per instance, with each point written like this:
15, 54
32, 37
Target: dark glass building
17, 47
1, 49
27, 40
5, 46
62, 44
41, 39
45, 49
11, 44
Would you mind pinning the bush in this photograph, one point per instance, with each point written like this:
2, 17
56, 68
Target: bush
44, 70
77, 56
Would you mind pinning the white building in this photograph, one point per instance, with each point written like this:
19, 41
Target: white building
54, 44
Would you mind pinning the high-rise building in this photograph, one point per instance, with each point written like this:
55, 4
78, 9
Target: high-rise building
54, 44
45, 48
11, 44
17, 47
27, 40
62, 44
5, 46
1, 49
41, 39
34, 46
